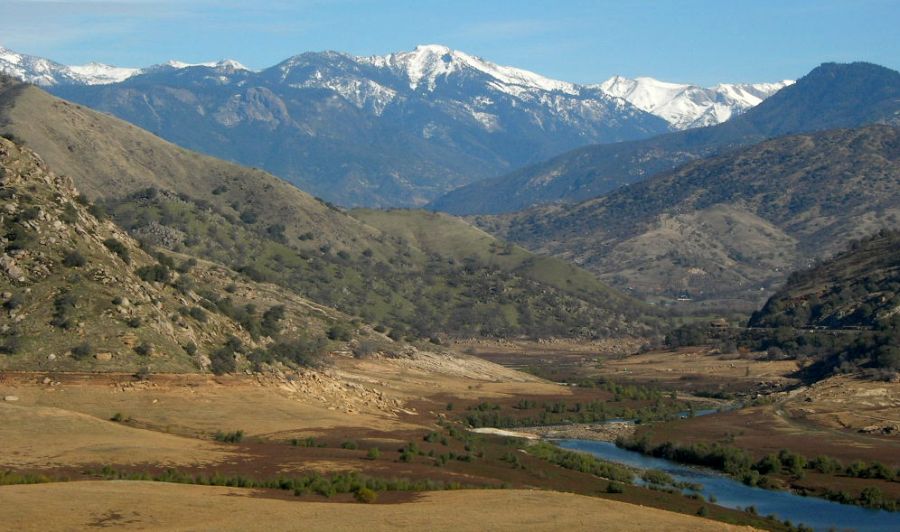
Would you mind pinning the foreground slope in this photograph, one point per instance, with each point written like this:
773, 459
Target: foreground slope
146, 504
728, 227
72, 287
830, 96
270, 231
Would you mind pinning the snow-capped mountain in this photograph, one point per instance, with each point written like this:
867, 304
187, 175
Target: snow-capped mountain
47, 73
392, 130
690, 106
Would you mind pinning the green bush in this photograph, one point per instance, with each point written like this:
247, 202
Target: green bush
157, 273
144, 349
118, 248
366, 495
229, 437
74, 259
82, 351
340, 332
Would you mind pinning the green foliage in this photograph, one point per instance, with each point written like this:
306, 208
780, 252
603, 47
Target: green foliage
157, 273
366, 495
144, 349
340, 332
581, 462
82, 351
229, 437
119, 249
373, 454
74, 259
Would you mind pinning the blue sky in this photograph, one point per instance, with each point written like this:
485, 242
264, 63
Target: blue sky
582, 41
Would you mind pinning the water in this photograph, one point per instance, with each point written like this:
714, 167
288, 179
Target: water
817, 513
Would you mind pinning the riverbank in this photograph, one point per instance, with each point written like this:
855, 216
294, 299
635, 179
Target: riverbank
606, 431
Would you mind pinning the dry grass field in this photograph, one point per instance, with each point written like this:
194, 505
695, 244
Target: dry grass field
147, 505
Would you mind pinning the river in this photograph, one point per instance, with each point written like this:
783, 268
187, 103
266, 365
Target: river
811, 511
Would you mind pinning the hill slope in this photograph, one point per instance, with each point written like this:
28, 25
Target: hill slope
73, 287
830, 96
269, 230
859, 287
728, 227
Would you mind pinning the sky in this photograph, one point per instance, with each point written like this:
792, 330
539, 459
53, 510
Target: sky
689, 41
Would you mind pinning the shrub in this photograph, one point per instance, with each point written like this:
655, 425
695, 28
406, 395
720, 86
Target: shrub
82, 351
198, 314
349, 445
373, 454
158, 273
229, 437
222, 361
11, 345
190, 348
366, 495
365, 349
144, 349
340, 332
118, 248
615, 487
74, 259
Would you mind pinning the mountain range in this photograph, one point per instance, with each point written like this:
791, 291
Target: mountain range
393, 130
830, 96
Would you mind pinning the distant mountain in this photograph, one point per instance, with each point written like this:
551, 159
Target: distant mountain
830, 96
726, 229
689, 106
48, 73
394, 130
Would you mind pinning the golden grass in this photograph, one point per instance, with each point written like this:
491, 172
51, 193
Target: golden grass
156, 506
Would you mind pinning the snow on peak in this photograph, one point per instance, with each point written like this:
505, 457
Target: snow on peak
227, 64
427, 63
100, 74
687, 106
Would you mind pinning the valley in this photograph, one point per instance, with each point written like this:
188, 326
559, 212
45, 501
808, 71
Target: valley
424, 290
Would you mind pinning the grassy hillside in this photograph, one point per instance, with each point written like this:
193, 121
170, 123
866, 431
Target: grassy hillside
840, 316
72, 287
830, 96
270, 231
727, 228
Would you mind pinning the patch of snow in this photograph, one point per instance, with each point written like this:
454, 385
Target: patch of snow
687, 106
101, 74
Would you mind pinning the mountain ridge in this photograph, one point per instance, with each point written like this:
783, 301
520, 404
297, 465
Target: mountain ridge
727, 227
831, 96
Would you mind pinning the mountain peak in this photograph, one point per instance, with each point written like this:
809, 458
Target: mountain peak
687, 106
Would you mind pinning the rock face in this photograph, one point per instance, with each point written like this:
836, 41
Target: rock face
8, 264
